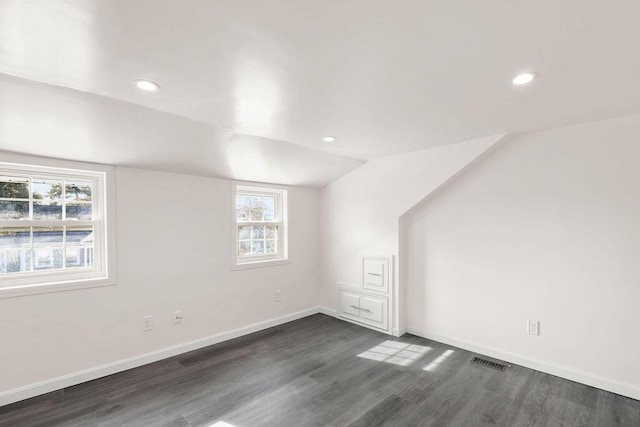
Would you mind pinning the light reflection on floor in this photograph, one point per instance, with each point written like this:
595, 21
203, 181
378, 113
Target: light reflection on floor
438, 360
395, 352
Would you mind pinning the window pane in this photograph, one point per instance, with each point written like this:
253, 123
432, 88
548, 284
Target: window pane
14, 210
15, 252
15, 238
244, 232
72, 255
269, 203
15, 261
258, 232
270, 247
243, 215
79, 236
47, 199
47, 258
78, 191
271, 231
257, 246
47, 190
243, 208
256, 214
78, 256
47, 244
257, 208
244, 248
46, 210
14, 188
79, 210
269, 215
47, 237
256, 203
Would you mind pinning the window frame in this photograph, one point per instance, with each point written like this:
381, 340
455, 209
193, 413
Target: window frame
281, 220
103, 271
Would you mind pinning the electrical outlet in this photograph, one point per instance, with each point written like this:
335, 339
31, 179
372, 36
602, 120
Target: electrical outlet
147, 323
177, 316
533, 327
277, 296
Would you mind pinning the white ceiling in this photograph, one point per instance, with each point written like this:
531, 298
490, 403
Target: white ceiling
67, 124
384, 77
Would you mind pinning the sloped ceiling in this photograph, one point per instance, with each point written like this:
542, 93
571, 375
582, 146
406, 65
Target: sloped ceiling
68, 124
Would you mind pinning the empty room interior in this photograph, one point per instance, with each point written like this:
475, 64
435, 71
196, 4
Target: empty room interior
319, 213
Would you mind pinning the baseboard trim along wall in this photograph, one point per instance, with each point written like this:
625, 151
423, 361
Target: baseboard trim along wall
328, 311
617, 387
58, 383
54, 384
399, 332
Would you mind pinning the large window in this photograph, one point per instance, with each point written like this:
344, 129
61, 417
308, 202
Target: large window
53, 228
260, 226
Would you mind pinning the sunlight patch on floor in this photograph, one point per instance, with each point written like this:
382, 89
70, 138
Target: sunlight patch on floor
438, 361
397, 353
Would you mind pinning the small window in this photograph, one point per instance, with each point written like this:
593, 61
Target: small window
53, 228
260, 225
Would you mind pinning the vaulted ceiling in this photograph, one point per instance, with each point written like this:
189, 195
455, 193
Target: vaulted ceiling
263, 81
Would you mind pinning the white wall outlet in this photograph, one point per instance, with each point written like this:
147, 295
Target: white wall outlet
177, 316
533, 327
147, 323
277, 296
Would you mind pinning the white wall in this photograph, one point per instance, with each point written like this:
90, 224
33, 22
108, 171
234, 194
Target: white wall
174, 253
546, 228
361, 210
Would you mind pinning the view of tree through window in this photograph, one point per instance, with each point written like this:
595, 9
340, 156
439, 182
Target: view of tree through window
38, 244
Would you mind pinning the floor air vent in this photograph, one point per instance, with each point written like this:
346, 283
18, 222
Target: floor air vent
489, 363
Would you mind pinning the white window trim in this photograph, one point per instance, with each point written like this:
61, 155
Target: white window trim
283, 239
104, 201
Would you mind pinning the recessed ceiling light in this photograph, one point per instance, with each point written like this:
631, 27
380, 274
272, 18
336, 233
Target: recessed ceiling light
147, 85
329, 139
523, 79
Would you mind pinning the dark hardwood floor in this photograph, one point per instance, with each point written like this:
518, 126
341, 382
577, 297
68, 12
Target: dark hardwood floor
319, 371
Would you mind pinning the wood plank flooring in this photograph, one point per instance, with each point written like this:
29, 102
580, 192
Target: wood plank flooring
319, 371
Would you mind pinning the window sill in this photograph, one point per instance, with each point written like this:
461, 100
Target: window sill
45, 288
261, 264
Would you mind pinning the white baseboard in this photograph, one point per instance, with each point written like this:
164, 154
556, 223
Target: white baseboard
54, 384
328, 311
613, 386
75, 378
399, 332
